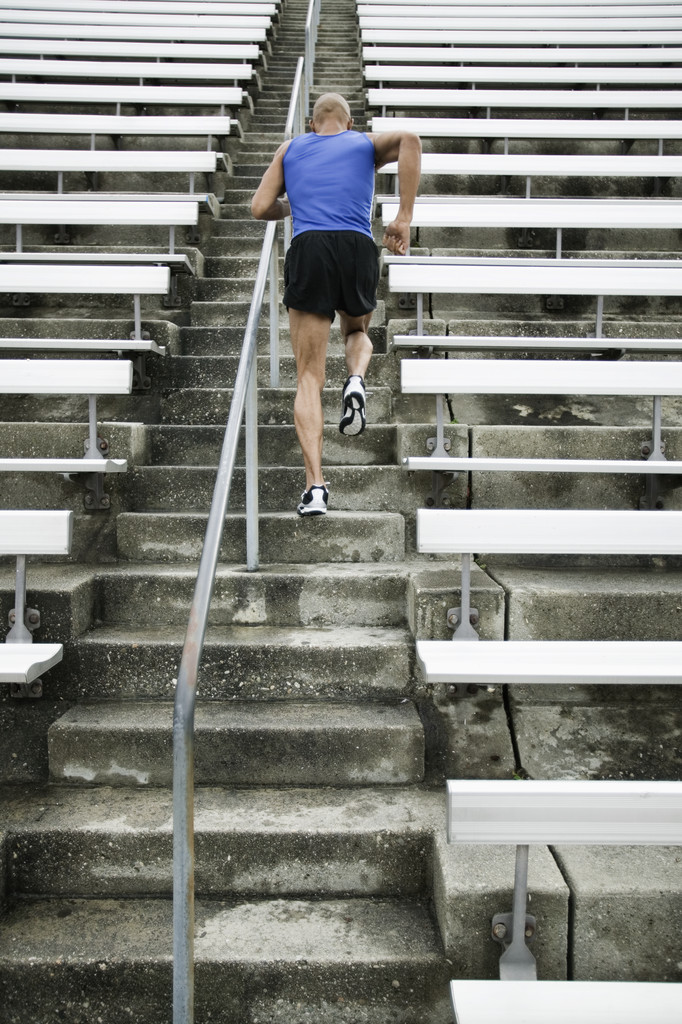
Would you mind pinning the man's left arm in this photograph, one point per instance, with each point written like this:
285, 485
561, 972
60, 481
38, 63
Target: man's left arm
406, 148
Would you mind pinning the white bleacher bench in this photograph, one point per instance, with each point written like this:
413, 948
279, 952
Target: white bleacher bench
521, 37
530, 11
115, 126
473, 74
123, 211
139, 50
136, 348
499, 276
30, 532
506, 128
82, 278
440, 55
532, 165
550, 813
507, 343
169, 7
531, 26
554, 99
156, 19
483, 212
88, 377
467, 532
565, 1002
92, 162
482, 6
137, 33
222, 97
441, 377
155, 70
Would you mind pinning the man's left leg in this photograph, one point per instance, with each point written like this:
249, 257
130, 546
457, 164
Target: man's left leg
355, 332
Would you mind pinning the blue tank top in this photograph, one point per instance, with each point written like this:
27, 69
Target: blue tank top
329, 181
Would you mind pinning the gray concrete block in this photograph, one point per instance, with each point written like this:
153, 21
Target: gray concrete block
435, 590
626, 902
299, 744
342, 537
473, 883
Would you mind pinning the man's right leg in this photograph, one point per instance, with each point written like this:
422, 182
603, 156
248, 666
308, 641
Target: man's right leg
309, 339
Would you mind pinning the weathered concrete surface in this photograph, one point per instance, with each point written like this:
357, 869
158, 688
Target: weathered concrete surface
467, 735
436, 589
267, 842
298, 744
350, 950
591, 603
626, 903
249, 662
473, 883
641, 740
341, 537
568, 490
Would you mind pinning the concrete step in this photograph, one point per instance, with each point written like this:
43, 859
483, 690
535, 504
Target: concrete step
249, 842
344, 537
177, 445
355, 489
247, 662
212, 405
130, 744
378, 960
279, 594
218, 371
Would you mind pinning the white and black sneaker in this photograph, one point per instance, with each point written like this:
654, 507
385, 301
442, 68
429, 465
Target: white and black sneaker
314, 501
354, 404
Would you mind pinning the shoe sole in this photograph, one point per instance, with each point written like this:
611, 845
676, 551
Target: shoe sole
356, 423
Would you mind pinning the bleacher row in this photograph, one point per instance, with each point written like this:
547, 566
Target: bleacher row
144, 64
524, 74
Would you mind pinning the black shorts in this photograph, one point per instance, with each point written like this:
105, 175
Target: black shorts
325, 271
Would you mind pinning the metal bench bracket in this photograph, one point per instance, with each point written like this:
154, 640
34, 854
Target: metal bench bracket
463, 619
514, 930
654, 451
23, 621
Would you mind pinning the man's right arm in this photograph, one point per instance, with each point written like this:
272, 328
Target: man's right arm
267, 203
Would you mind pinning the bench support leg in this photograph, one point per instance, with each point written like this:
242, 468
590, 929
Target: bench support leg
465, 617
517, 963
654, 450
22, 622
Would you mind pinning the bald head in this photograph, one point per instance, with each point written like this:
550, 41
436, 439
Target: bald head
331, 113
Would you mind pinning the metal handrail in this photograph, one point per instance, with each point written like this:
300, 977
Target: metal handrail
244, 401
311, 25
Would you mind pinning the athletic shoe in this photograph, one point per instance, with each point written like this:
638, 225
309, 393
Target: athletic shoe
353, 408
314, 501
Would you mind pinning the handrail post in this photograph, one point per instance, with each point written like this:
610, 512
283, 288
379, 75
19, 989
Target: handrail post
274, 314
251, 452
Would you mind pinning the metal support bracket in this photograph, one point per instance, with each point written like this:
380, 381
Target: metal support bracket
21, 299
95, 498
171, 300
463, 619
407, 300
527, 238
141, 379
62, 236
514, 930
23, 621
654, 451
554, 302
193, 236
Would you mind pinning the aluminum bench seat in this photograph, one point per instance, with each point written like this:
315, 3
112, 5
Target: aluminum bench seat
156, 19
521, 36
117, 94
565, 1002
169, 7
26, 532
526, 128
558, 813
116, 125
413, 9
553, 99
473, 74
136, 33
138, 49
93, 69
454, 54
507, 343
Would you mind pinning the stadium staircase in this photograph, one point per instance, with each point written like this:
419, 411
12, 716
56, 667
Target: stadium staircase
320, 755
